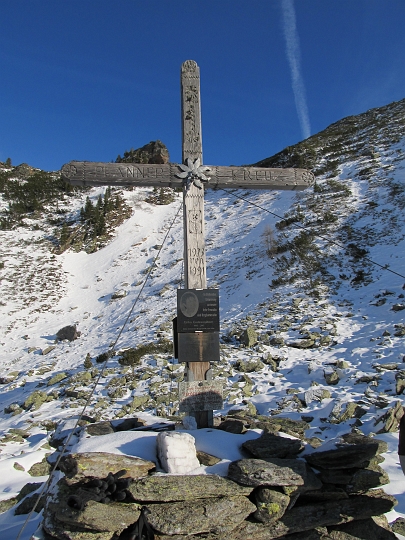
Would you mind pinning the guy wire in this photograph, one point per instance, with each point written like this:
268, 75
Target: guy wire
306, 228
109, 355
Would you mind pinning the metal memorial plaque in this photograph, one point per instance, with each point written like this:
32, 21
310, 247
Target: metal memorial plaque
198, 347
197, 310
200, 396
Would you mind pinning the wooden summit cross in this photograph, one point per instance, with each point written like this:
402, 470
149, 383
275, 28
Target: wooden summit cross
192, 176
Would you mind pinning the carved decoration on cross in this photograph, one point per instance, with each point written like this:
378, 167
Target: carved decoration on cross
193, 176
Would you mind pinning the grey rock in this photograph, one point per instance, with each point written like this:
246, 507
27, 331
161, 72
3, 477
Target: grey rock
6, 504
398, 526
352, 410
261, 531
368, 478
308, 517
35, 400
127, 424
375, 528
379, 302
218, 515
346, 456
302, 343
277, 341
69, 333
249, 366
273, 472
325, 493
249, 337
269, 445
399, 332
13, 409
27, 489
399, 386
89, 465
61, 531
119, 294
391, 366
113, 517
271, 505
57, 378
167, 488
358, 438
355, 480
99, 428
232, 425
30, 503
40, 469
390, 419
207, 459
316, 393
332, 378
47, 350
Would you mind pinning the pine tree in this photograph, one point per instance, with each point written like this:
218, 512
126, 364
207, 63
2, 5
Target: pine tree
64, 234
88, 364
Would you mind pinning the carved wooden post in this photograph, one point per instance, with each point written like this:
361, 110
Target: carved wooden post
193, 207
193, 196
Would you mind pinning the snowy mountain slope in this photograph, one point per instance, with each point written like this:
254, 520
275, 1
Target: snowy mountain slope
327, 317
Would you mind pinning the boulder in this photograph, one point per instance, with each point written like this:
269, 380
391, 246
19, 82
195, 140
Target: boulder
99, 428
249, 337
390, 419
309, 517
113, 517
207, 460
88, 465
346, 456
271, 504
69, 333
272, 472
40, 469
355, 480
316, 393
332, 377
121, 293
232, 425
375, 528
302, 343
269, 445
296, 428
218, 515
167, 488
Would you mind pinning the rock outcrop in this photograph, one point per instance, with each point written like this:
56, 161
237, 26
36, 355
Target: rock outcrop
154, 152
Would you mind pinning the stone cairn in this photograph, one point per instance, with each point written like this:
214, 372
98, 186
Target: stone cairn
271, 493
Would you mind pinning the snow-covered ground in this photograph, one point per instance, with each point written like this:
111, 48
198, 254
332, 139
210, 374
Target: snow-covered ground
43, 292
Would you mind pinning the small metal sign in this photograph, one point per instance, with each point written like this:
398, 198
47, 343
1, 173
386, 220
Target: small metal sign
200, 396
198, 347
197, 310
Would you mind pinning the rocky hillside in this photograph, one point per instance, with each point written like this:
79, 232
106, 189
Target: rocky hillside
311, 295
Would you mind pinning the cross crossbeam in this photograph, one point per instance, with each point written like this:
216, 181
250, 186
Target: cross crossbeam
88, 173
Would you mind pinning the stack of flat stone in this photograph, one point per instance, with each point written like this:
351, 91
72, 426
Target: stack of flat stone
272, 494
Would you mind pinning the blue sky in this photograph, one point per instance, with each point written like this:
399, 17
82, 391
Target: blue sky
89, 79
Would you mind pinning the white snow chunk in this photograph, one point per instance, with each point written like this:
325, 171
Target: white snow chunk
176, 452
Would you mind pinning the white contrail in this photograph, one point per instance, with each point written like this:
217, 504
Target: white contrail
293, 55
